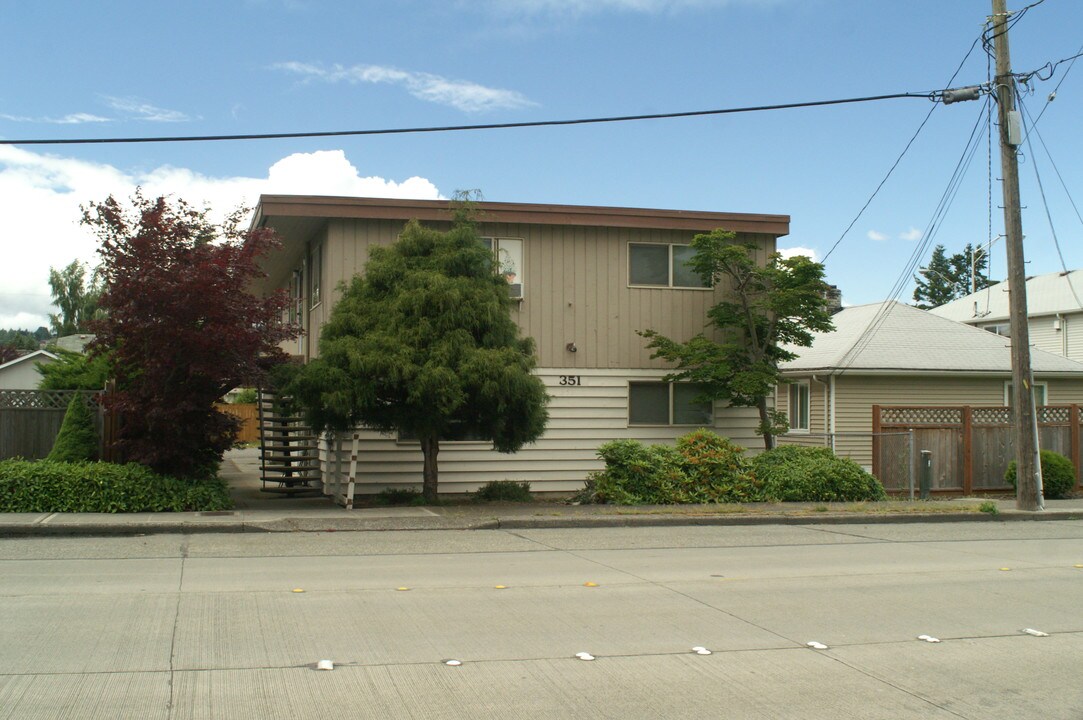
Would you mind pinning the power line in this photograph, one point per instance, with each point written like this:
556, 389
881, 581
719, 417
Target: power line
902, 154
932, 95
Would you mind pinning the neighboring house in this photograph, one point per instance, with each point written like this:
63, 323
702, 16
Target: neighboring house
1054, 312
74, 343
22, 372
892, 354
585, 280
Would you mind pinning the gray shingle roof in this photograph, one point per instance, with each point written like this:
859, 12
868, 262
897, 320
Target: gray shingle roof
906, 339
1046, 295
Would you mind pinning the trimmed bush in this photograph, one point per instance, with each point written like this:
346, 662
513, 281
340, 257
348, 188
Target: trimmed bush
702, 468
48, 486
504, 490
791, 473
1058, 475
77, 439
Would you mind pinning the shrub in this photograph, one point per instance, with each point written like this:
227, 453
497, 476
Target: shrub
792, 473
47, 486
702, 468
398, 496
1058, 475
77, 439
716, 469
245, 396
507, 490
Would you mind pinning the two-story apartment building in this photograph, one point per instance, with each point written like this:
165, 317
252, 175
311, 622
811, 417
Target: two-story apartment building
584, 280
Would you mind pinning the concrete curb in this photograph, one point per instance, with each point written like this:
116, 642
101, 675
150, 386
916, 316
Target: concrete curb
39, 524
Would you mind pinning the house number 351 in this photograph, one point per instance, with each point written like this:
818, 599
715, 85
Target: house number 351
571, 380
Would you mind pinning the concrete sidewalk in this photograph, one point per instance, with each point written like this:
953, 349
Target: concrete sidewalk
256, 511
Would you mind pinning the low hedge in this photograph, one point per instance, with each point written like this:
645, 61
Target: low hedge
790, 473
1058, 475
49, 486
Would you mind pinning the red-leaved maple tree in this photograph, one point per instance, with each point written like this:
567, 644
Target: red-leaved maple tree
182, 325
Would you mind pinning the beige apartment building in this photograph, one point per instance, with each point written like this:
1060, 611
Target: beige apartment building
584, 280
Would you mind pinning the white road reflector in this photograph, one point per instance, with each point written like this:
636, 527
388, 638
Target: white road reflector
1035, 633
453, 663
928, 638
816, 645
325, 665
584, 656
698, 650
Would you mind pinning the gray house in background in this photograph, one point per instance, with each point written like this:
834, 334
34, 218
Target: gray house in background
1054, 312
891, 354
22, 372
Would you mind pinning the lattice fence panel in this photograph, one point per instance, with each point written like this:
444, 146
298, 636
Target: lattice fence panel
991, 415
916, 416
43, 399
1055, 415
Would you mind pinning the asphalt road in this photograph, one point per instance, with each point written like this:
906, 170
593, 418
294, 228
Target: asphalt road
213, 625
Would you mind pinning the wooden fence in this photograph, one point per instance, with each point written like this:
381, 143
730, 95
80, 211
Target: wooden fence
31, 419
249, 416
971, 446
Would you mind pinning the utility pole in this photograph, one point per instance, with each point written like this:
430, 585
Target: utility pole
1028, 495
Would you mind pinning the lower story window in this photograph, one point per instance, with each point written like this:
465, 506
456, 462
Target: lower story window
799, 406
661, 403
1041, 393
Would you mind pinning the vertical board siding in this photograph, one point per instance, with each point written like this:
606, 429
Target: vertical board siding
575, 288
581, 418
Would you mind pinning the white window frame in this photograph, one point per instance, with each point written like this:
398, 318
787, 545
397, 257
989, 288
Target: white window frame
669, 269
1004, 329
1040, 398
494, 247
671, 407
804, 410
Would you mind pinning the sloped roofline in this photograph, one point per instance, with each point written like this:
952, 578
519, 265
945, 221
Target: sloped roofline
502, 212
28, 356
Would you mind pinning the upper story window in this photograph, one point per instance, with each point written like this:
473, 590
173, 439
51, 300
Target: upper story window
1003, 328
656, 265
508, 256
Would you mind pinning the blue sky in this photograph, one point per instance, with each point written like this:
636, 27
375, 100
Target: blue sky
75, 69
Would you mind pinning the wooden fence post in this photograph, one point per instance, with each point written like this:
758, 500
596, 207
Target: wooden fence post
876, 442
968, 447
1073, 442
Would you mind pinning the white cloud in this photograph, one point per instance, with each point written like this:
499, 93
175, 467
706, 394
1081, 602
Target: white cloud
459, 94
39, 225
69, 119
877, 236
798, 250
912, 234
137, 109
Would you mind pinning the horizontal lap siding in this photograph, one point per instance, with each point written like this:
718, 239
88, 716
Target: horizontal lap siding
1044, 335
581, 418
855, 396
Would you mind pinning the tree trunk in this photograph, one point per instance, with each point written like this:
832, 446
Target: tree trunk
430, 448
765, 423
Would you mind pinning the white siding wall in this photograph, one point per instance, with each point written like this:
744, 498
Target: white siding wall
1045, 336
581, 418
23, 375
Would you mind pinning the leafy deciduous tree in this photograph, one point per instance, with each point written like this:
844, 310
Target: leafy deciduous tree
181, 325
765, 307
76, 299
945, 278
423, 344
